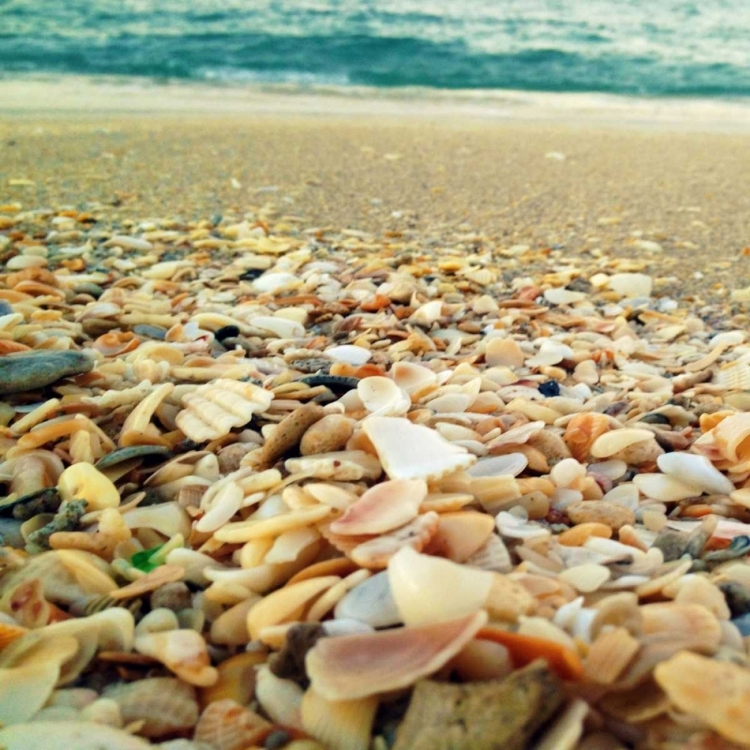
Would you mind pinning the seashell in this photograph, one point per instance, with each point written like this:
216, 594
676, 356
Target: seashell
734, 376
81, 735
212, 410
482, 660
630, 284
327, 435
492, 555
615, 441
503, 713
567, 729
289, 545
695, 470
587, 577
349, 353
288, 434
578, 535
582, 431
370, 601
412, 451
340, 725
375, 553
420, 585
503, 352
139, 419
525, 649
461, 534
415, 379
287, 604
236, 678
382, 397
342, 466
165, 705
28, 606
65, 574
280, 699
665, 487
256, 528
115, 343
25, 689
84, 482
690, 681
677, 621
384, 507
182, 651
228, 725
609, 655
361, 665
10, 633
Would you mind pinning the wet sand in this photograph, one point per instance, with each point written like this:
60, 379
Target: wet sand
552, 173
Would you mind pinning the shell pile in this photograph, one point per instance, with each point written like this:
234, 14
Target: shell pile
272, 488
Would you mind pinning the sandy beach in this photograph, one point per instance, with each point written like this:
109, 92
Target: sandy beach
333, 422
548, 172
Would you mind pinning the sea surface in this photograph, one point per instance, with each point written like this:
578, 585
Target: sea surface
651, 48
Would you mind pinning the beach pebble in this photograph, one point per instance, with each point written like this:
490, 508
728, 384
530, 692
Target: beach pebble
26, 372
600, 511
327, 435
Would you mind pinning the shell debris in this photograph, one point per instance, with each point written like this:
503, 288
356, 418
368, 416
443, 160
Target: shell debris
468, 484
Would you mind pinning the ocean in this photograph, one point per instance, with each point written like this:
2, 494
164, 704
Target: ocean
651, 48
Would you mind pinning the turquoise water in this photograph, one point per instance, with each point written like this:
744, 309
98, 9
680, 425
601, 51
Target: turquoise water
642, 47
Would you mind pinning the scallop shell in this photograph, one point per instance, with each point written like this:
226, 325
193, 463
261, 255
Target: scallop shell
503, 352
679, 621
339, 725
166, 705
412, 451
356, 666
212, 410
227, 725
184, 652
609, 655
691, 681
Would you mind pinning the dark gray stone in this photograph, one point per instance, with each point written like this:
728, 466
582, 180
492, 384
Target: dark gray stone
27, 372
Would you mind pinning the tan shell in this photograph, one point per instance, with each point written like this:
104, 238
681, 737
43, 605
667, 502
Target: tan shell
356, 666
227, 725
339, 725
212, 410
182, 651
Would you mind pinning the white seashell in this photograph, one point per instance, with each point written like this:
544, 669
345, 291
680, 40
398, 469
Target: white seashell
280, 699
429, 589
370, 602
561, 296
566, 472
513, 527
586, 578
411, 451
492, 555
280, 327
517, 435
273, 282
427, 314
416, 380
349, 353
509, 464
25, 689
381, 396
665, 487
631, 284
734, 376
166, 518
81, 735
695, 470
550, 353
624, 494
614, 441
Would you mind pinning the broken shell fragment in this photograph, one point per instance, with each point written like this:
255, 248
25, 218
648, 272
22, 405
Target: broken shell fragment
82, 481
183, 652
356, 666
412, 451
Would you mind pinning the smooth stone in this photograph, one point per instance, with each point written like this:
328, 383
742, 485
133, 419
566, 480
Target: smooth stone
5, 308
27, 372
600, 511
481, 715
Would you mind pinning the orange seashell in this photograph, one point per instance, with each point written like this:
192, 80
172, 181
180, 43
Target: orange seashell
39, 289
524, 649
582, 430
10, 633
41, 275
337, 566
7, 346
113, 343
10, 295
378, 302
226, 725
236, 679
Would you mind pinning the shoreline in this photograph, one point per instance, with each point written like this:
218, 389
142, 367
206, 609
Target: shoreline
64, 95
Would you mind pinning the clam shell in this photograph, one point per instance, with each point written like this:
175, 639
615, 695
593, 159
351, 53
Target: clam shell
212, 410
417, 380
429, 589
412, 451
384, 507
695, 470
164, 704
357, 666
381, 396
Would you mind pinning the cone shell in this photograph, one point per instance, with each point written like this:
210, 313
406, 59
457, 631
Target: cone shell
356, 666
165, 704
339, 725
411, 451
212, 410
